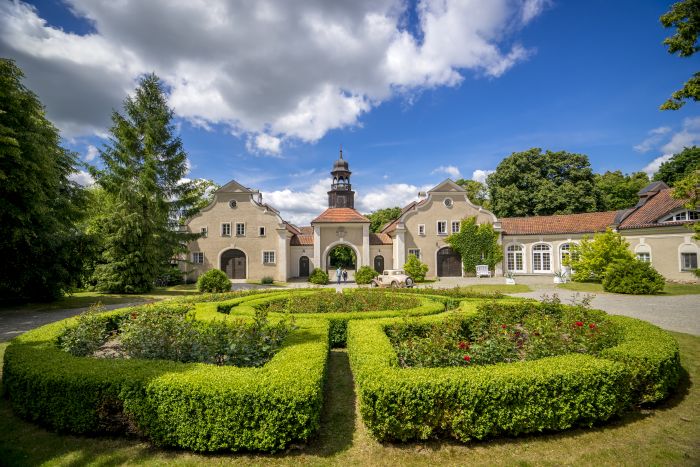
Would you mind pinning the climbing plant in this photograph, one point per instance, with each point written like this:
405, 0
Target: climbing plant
476, 244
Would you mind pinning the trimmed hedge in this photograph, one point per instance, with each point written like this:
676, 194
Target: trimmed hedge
478, 402
193, 406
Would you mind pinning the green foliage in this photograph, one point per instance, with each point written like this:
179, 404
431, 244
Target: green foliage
267, 280
365, 274
633, 277
476, 244
41, 208
536, 183
87, 335
186, 405
144, 165
685, 17
679, 166
477, 402
342, 256
214, 280
590, 258
382, 217
615, 190
415, 268
477, 192
318, 276
328, 301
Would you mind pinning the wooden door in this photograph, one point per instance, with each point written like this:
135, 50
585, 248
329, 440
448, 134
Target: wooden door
379, 263
304, 266
449, 263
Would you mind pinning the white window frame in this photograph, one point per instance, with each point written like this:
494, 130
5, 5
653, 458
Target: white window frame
448, 202
204, 231
561, 253
541, 253
687, 249
414, 251
687, 215
643, 248
262, 231
240, 224
452, 226
523, 257
421, 230
437, 228
269, 252
224, 234
644, 256
197, 255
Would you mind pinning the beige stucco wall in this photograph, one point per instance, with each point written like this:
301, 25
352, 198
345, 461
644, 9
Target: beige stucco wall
665, 246
253, 245
529, 241
329, 237
385, 251
296, 252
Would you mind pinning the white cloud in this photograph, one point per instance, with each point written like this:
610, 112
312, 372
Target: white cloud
270, 71
689, 135
91, 153
389, 196
652, 141
480, 175
450, 170
82, 178
652, 167
298, 206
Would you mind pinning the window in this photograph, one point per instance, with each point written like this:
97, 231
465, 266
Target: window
644, 257
421, 229
448, 202
268, 257
514, 258
414, 251
689, 261
643, 252
442, 227
455, 226
232, 204
240, 229
261, 231
683, 216
226, 229
564, 253
198, 257
541, 258
204, 231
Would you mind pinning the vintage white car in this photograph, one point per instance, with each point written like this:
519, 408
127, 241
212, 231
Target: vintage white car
392, 278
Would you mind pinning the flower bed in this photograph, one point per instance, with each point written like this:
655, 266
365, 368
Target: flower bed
195, 406
480, 401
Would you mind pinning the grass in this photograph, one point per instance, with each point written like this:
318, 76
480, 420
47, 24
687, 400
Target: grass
490, 288
668, 434
671, 288
274, 283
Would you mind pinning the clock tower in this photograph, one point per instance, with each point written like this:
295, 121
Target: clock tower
341, 194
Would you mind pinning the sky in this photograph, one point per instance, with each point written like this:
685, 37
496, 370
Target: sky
266, 92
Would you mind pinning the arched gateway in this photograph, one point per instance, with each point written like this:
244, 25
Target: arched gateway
449, 263
233, 263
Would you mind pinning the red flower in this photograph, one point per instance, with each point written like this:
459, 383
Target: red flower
463, 345
503, 326
467, 358
579, 323
592, 325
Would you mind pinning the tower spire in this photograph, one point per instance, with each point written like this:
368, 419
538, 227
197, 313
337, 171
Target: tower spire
341, 152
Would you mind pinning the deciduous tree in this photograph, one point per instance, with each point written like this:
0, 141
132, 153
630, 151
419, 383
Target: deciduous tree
685, 17
615, 190
476, 192
679, 166
381, 217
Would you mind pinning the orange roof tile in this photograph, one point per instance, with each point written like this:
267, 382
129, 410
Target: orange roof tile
559, 223
648, 214
379, 239
340, 215
301, 240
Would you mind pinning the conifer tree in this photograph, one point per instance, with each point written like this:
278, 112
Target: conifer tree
143, 174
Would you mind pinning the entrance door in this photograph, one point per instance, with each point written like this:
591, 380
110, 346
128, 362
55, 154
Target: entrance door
379, 263
304, 266
233, 263
449, 263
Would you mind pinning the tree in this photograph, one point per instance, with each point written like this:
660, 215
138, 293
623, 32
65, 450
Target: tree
615, 190
535, 183
685, 17
415, 268
342, 256
590, 258
381, 217
199, 197
476, 244
476, 192
40, 206
144, 166
688, 188
679, 166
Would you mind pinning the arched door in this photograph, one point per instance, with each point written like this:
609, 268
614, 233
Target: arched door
304, 266
449, 263
233, 264
379, 263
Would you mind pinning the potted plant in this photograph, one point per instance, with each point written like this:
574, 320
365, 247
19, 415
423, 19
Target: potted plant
510, 278
560, 277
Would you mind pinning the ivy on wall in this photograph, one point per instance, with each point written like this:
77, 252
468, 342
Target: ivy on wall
476, 244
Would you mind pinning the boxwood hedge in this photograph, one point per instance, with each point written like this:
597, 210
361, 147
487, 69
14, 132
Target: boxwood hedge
477, 402
194, 406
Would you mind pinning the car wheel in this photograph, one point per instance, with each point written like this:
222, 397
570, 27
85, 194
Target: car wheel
409, 282
394, 284
373, 284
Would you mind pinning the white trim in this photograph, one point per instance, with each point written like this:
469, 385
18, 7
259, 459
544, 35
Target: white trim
542, 252
523, 251
324, 257
448, 202
437, 228
686, 248
643, 246
230, 247
452, 227
244, 229
408, 252
204, 230
197, 253
422, 234
264, 231
274, 257
221, 229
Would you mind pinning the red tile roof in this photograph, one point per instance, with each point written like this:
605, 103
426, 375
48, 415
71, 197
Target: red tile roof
391, 226
340, 215
307, 230
657, 206
559, 223
379, 239
301, 240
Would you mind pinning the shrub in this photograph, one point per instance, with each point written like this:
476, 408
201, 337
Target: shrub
590, 258
365, 274
318, 276
87, 335
214, 280
415, 268
633, 277
476, 244
267, 280
170, 276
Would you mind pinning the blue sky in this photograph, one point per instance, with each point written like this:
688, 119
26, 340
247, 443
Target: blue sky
579, 76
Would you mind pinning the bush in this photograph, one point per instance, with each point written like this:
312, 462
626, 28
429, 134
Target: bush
214, 280
365, 274
318, 276
170, 276
633, 277
187, 405
590, 258
415, 268
87, 335
267, 280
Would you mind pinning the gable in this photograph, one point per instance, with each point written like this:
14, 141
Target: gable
234, 187
447, 186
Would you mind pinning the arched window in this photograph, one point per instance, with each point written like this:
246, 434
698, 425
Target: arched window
514, 258
541, 258
564, 253
643, 252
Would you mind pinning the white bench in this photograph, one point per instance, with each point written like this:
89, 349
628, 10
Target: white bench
483, 270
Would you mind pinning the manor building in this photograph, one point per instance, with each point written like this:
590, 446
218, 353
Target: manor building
248, 239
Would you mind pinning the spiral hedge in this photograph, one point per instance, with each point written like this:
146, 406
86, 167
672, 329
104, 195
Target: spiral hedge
478, 402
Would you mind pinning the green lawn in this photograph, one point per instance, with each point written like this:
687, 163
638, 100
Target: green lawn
595, 287
666, 435
503, 288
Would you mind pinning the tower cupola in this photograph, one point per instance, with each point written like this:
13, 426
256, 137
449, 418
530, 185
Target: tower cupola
341, 194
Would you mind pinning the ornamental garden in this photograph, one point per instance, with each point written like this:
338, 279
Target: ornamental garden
246, 371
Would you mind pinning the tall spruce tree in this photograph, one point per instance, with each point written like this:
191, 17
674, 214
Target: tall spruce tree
39, 204
144, 166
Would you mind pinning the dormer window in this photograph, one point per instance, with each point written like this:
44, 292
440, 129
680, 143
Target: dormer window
682, 216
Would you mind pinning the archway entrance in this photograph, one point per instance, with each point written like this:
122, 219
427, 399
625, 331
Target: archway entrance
449, 263
233, 264
304, 266
379, 263
342, 256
